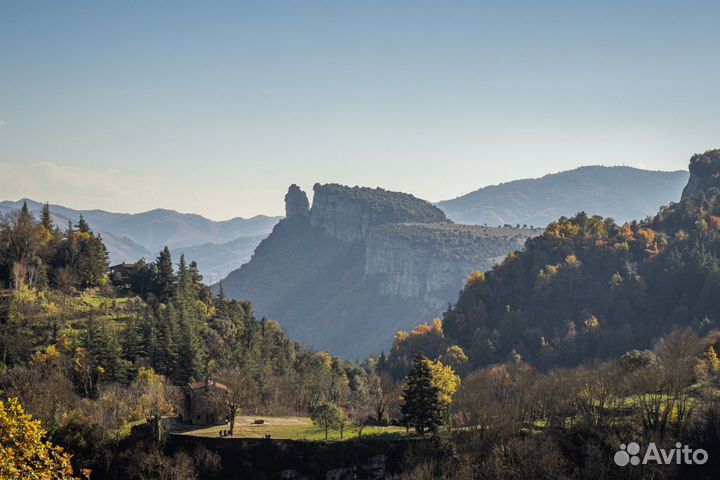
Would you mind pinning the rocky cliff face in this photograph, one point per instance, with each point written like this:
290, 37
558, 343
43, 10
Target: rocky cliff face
296, 202
347, 213
339, 218
704, 173
430, 262
366, 261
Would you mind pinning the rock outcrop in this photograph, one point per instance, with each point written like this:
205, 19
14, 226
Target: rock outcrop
365, 262
429, 262
296, 202
347, 213
704, 173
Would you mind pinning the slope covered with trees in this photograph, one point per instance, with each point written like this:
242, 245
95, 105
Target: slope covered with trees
90, 359
589, 287
217, 246
39, 254
99, 364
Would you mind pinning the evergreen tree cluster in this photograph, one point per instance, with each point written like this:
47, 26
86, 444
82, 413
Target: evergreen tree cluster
164, 319
38, 253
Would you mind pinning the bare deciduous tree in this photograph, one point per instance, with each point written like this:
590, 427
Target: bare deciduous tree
237, 390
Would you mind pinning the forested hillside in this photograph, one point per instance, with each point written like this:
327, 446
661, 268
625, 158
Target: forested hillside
594, 334
129, 237
589, 287
622, 193
91, 356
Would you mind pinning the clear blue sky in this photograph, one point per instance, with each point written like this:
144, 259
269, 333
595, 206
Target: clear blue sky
216, 107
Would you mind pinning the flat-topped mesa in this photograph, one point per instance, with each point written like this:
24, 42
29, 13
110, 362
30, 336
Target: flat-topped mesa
347, 213
296, 202
704, 173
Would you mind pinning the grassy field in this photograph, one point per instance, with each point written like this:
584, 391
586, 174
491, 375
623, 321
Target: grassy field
288, 428
97, 301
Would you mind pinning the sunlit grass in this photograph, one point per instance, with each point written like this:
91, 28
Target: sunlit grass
290, 428
97, 301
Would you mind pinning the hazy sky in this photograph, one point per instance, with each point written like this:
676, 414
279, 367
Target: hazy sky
216, 107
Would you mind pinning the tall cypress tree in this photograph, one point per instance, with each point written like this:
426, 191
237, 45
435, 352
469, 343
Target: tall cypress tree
166, 351
104, 352
93, 261
165, 285
421, 406
45, 219
184, 283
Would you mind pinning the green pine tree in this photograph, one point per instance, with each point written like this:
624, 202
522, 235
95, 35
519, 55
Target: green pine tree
82, 225
195, 274
104, 352
184, 282
164, 347
421, 408
166, 281
45, 219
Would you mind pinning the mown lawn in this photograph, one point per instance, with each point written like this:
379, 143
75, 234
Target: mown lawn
288, 428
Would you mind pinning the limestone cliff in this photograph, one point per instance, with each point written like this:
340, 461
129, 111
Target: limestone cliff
365, 262
347, 213
429, 262
704, 173
296, 202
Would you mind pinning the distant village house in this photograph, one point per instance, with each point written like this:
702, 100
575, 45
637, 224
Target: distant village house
120, 274
202, 403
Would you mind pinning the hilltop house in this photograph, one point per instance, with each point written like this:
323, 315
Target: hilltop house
203, 403
120, 274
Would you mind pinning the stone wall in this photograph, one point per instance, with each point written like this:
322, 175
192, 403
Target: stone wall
364, 458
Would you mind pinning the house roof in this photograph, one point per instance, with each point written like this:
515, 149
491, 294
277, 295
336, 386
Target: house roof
124, 265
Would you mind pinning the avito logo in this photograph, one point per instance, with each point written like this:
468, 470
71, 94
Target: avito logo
682, 454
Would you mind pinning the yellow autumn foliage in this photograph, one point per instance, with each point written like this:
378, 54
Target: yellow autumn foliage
444, 378
326, 359
401, 336
475, 278
24, 453
426, 329
44, 356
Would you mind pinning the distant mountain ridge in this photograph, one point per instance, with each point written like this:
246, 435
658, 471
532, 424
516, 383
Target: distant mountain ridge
132, 236
623, 193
